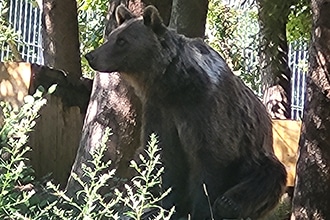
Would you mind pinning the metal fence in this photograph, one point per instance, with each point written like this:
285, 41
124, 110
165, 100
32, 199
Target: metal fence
26, 21
298, 57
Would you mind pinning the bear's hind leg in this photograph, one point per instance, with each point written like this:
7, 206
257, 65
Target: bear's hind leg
258, 191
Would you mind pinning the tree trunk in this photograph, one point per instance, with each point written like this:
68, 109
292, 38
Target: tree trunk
164, 7
312, 190
112, 104
275, 71
56, 136
60, 36
61, 51
189, 17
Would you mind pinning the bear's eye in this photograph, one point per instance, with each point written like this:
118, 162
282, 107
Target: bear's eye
120, 42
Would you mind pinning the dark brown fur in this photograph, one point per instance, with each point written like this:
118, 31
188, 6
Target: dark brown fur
213, 130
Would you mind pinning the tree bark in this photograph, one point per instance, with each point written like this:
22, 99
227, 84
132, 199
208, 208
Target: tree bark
189, 17
61, 51
60, 36
112, 104
312, 189
276, 74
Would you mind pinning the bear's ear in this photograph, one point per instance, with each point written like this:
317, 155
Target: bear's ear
152, 19
122, 14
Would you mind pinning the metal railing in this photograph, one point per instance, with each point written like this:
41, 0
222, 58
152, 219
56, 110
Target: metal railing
298, 57
25, 19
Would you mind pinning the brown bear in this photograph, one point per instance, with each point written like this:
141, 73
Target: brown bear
214, 132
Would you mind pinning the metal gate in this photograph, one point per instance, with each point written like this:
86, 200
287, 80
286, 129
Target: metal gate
25, 19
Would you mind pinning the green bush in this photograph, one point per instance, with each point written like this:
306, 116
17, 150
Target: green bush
133, 203
139, 198
91, 20
232, 32
17, 192
91, 204
21, 197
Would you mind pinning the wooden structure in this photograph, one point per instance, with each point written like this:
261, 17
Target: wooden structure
286, 134
14, 82
56, 136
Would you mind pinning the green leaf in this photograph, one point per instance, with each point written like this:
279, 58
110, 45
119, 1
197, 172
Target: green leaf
52, 88
29, 99
40, 91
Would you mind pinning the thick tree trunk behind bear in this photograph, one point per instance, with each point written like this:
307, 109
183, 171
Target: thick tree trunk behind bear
189, 17
112, 104
312, 190
61, 51
60, 36
276, 75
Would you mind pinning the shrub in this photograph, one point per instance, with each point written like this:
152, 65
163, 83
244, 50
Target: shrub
21, 197
17, 193
134, 203
139, 198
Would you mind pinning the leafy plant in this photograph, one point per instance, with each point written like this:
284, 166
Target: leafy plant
299, 24
7, 34
232, 32
91, 20
16, 188
136, 201
21, 197
90, 204
139, 198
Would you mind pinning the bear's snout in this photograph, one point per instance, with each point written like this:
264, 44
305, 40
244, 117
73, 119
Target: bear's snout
91, 60
95, 60
89, 57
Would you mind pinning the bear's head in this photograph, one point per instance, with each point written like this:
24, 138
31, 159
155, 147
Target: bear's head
134, 48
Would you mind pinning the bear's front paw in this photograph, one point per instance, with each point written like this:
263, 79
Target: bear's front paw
226, 208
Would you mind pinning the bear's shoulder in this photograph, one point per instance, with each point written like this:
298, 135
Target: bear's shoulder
205, 60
